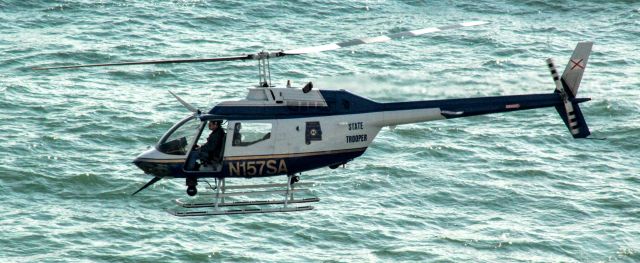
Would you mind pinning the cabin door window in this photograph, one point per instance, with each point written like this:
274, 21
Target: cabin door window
249, 133
250, 138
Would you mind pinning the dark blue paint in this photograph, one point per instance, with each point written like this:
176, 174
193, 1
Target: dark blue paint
294, 165
342, 102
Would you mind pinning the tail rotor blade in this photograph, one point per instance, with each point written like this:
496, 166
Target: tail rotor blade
185, 104
153, 181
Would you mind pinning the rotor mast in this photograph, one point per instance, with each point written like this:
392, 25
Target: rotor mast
264, 67
264, 70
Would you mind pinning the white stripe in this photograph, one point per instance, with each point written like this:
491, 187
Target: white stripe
474, 23
391, 118
326, 47
376, 39
424, 31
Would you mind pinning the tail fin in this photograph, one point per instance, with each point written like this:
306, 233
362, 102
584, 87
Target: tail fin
575, 68
567, 86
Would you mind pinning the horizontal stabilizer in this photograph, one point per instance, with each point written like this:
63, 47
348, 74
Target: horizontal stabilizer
573, 119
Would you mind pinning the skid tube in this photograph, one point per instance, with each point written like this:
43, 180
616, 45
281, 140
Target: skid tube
248, 206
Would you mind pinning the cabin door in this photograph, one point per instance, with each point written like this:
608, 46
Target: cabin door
207, 149
249, 147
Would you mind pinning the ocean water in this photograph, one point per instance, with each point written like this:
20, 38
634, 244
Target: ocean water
496, 188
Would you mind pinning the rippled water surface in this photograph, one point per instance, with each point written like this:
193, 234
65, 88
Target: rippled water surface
504, 187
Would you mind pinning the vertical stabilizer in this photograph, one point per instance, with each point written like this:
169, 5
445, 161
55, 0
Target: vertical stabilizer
575, 68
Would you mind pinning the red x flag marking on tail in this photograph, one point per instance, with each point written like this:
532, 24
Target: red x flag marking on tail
577, 64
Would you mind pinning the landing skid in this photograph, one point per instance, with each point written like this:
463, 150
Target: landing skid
239, 211
245, 203
242, 206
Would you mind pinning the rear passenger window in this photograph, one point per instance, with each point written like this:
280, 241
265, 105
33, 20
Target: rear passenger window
248, 133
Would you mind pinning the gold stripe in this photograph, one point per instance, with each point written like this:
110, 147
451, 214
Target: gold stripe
291, 155
267, 156
161, 160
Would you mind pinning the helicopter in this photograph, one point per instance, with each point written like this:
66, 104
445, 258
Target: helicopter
278, 131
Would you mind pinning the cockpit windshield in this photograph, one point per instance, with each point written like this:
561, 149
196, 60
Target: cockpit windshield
175, 141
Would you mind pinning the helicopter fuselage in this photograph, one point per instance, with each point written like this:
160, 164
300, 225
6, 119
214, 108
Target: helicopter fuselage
293, 131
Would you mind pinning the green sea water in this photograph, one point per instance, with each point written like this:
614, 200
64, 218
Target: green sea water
496, 188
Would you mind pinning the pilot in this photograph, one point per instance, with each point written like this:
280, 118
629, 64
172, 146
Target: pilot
210, 151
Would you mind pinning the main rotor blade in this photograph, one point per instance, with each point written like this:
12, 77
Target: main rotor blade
379, 39
151, 62
299, 51
153, 181
184, 103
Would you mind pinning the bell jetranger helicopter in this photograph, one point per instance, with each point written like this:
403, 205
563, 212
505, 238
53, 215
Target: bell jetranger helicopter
286, 131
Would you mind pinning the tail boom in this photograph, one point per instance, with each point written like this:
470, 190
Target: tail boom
563, 99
